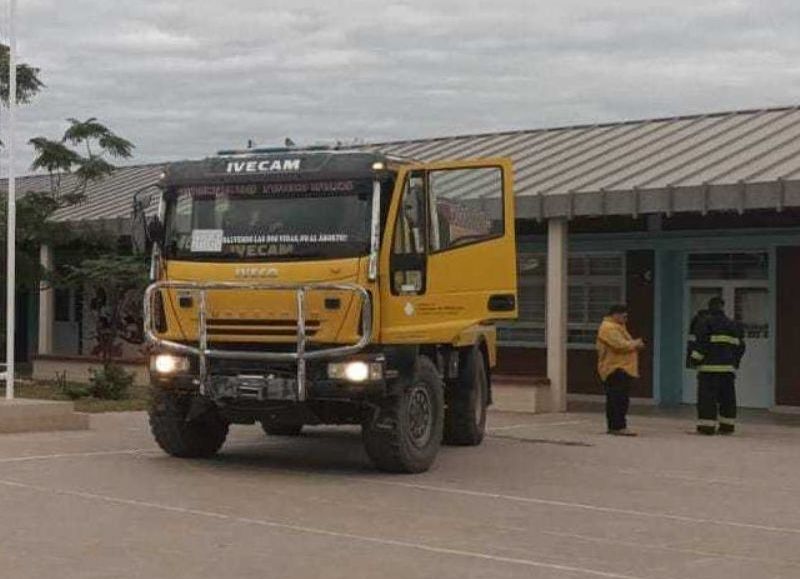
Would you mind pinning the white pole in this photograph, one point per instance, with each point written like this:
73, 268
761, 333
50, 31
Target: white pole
12, 202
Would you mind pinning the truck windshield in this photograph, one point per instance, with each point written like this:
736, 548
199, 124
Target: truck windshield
269, 221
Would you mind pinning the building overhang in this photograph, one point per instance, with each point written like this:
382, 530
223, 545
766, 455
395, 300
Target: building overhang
738, 197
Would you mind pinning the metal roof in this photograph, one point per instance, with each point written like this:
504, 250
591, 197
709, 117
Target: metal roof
110, 199
737, 160
722, 161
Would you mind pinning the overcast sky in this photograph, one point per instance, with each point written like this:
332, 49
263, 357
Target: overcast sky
183, 78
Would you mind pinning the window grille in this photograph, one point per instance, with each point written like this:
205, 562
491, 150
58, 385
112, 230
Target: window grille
719, 266
596, 282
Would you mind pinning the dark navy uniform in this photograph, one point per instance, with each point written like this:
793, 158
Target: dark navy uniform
691, 345
717, 352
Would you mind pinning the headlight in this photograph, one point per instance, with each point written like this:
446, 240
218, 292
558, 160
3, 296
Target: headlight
355, 371
168, 363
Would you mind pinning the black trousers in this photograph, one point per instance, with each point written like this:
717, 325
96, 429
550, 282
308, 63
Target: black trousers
618, 388
716, 400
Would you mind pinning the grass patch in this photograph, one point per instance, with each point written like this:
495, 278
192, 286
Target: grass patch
137, 399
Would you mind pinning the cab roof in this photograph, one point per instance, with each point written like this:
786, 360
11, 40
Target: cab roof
257, 166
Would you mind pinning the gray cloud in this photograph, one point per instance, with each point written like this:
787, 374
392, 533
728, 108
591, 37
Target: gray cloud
182, 78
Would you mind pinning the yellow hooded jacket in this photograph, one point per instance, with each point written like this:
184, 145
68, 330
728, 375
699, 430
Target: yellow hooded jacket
616, 350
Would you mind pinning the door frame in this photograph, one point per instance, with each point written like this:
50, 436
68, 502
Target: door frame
768, 283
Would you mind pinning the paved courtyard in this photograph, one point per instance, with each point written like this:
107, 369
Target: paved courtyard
544, 496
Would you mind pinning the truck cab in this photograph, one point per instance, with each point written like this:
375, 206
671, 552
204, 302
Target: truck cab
327, 286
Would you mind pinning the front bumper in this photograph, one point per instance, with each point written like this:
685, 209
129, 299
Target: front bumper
265, 383
270, 382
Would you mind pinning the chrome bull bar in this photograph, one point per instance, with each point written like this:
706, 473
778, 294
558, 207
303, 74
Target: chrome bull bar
300, 356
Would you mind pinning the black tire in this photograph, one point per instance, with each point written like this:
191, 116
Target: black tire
467, 398
201, 437
281, 428
407, 433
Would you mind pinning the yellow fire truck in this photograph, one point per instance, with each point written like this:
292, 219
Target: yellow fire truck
295, 287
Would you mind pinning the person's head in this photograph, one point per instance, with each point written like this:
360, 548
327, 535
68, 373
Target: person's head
618, 313
716, 304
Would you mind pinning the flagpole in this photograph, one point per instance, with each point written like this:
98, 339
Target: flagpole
12, 202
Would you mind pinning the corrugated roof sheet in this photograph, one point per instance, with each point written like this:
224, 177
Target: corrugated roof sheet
717, 148
109, 199
735, 160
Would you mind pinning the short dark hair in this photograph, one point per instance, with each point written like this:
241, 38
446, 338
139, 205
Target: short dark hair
716, 303
617, 309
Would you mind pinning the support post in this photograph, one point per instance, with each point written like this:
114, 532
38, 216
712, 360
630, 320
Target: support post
557, 231
46, 303
11, 295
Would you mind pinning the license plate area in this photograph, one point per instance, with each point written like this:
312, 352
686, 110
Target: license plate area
254, 387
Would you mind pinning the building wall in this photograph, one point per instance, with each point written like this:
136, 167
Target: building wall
581, 362
787, 370
664, 249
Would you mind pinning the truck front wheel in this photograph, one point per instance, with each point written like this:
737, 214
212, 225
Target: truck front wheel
406, 434
178, 434
467, 397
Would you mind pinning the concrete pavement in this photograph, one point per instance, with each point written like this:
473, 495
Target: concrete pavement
547, 496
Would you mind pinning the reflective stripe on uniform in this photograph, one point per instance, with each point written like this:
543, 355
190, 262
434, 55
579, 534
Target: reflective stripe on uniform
716, 368
697, 355
723, 339
706, 422
728, 421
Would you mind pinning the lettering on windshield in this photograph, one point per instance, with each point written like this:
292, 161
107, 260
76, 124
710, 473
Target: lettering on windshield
248, 189
303, 238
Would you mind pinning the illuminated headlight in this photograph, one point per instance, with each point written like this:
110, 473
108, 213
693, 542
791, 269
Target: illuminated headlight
378, 166
168, 363
356, 371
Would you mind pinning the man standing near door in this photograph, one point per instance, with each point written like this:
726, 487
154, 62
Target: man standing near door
618, 366
717, 352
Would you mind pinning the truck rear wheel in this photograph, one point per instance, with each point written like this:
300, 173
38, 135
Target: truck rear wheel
180, 436
274, 428
407, 433
465, 416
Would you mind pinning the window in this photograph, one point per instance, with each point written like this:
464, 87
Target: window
62, 305
408, 260
728, 266
326, 219
466, 205
596, 282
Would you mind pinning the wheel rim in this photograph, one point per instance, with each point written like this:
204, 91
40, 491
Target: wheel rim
420, 416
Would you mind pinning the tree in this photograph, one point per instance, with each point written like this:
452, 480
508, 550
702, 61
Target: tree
116, 284
79, 158
28, 83
82, 152
82, 155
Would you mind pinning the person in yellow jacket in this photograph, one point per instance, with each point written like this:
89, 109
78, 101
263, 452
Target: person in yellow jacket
618, 366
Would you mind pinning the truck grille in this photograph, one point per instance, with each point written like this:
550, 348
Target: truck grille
258, 327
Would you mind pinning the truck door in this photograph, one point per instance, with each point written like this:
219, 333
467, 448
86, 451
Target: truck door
451, 256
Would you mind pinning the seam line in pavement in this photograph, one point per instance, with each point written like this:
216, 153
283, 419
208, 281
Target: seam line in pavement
460, 491
72, 455
534, 425
583, 506
640, 545
315, 531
